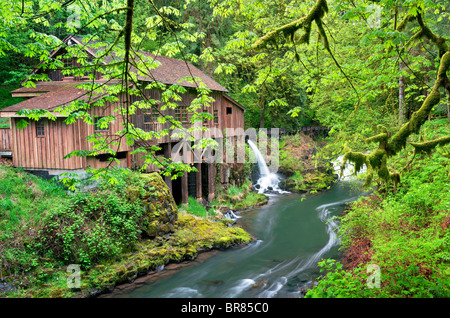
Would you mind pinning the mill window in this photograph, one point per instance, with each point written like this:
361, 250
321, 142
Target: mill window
216, 116
40, 128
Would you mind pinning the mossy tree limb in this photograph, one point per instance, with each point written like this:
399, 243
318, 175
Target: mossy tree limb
389, 146
418, 118
315, 15
288, 30
428, 146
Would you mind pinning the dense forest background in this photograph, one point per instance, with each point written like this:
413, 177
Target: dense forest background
288, 86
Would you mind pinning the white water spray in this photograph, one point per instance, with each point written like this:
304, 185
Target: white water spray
348, 173
267, 180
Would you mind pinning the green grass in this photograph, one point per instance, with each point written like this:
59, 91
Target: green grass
196, 208
251, 199
24, 201
25, 198
239, 198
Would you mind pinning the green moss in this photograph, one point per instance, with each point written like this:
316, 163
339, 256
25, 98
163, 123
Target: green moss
133, 193
316, 13
100, 231
358, 158
190, 237
405, 21
160, 207
389, 147
428, 146
398, 141
369, 176
377, 138
375, 159
444, 66
418, 118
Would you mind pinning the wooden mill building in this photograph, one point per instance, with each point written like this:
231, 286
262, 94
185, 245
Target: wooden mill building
42, 145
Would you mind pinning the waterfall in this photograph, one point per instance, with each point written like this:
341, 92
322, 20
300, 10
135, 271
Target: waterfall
267, 180
349, 169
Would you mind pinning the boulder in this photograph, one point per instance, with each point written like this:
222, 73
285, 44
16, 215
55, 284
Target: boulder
160, 207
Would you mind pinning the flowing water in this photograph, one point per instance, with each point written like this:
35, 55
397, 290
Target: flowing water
292, 233
267, 179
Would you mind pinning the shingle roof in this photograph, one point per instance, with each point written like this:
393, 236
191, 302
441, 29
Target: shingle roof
171, 71
55, 94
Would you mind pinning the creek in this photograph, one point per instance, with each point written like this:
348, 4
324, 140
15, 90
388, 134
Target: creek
293, 234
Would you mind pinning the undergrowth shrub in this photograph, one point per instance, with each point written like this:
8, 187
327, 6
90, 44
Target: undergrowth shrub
406, 231
94, 226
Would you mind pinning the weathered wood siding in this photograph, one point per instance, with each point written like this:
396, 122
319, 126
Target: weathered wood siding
114, 127
138, 118
47, 151
233, 120
5, 139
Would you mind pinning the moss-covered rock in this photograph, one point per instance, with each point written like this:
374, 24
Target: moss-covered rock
192, 235
160, 207
142, 196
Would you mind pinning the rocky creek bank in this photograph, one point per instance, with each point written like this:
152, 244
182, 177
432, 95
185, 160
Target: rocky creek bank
302, 170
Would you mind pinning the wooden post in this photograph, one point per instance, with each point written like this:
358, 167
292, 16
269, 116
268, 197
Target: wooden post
184, 189
198, 180
128, 160
211, 181
167, 152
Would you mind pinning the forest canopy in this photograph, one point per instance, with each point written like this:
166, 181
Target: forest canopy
372, 71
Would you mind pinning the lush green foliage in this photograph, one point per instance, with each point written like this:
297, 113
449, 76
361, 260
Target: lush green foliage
405, 233
39, 221
322, 62
303, 169
194, 207
337, 283
94, 225
43, 229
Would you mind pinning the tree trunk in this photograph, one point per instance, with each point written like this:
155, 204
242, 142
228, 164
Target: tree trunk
401, 98
448, 108
261, 116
